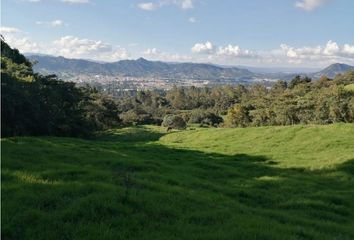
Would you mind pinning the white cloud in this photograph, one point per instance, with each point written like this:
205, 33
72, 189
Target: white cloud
77, 46
329, 53
18, 39
204, 48
290, 52
24, 44
150, 51
234, 51
192, 19
54, 23
286, 55
155, 54
74, 47
76, 1
185, 4
67, 46
348, 49
149, 6
309, 5
223, 52
117, 54
9, 30
331, 48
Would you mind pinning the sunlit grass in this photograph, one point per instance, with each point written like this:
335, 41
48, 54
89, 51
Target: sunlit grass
30, 178
143, 183
350, 87
308, 146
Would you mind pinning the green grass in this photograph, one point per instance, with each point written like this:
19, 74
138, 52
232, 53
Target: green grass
307, 146
141, 183
350, 87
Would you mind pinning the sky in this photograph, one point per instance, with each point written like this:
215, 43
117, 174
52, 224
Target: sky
260, 33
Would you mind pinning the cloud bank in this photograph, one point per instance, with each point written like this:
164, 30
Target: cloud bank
229, 54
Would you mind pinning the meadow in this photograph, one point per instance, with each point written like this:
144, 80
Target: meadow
293, 182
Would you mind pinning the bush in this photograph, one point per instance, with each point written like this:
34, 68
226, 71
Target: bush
136, 117
174, 122
238, 116
205, 118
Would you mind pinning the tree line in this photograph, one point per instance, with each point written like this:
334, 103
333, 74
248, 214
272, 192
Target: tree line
33, 104
301, 101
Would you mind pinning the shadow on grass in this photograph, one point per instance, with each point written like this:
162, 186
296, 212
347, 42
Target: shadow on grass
347, 167
130, 134
124, 186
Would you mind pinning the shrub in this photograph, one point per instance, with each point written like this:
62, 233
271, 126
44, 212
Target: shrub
205, 118
174, 122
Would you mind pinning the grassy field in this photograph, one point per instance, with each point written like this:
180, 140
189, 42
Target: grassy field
350, 87
141, 183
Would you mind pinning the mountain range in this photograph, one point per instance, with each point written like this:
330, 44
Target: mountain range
142, 68
332, 70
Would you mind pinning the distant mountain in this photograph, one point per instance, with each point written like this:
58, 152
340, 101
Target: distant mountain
332, 70
141, 68
279, 70
137, 68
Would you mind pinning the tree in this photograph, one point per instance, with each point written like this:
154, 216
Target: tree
33, 104
205, 117
238, 116
299, 80
174, 122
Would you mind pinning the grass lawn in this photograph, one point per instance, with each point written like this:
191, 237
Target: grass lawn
292, 182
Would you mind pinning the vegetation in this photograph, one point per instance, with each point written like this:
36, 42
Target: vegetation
302, 101
293, 182
33, 104
174, 122
321, 102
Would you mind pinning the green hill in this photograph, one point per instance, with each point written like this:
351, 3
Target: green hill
141, 183
305, 146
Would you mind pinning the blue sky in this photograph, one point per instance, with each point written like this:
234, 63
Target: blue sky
288, 33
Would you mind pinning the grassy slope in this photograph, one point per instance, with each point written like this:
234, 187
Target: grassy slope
255, 183
312, 147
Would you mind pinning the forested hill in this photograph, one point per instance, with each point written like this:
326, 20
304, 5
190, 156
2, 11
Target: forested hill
137, 68
332, 70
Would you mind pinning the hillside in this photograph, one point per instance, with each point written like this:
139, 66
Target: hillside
69, 69
137, 68
332, 70
291, 182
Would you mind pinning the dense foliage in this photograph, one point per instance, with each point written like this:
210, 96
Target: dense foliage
303, 102
33, 104
174, 122
300, 101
